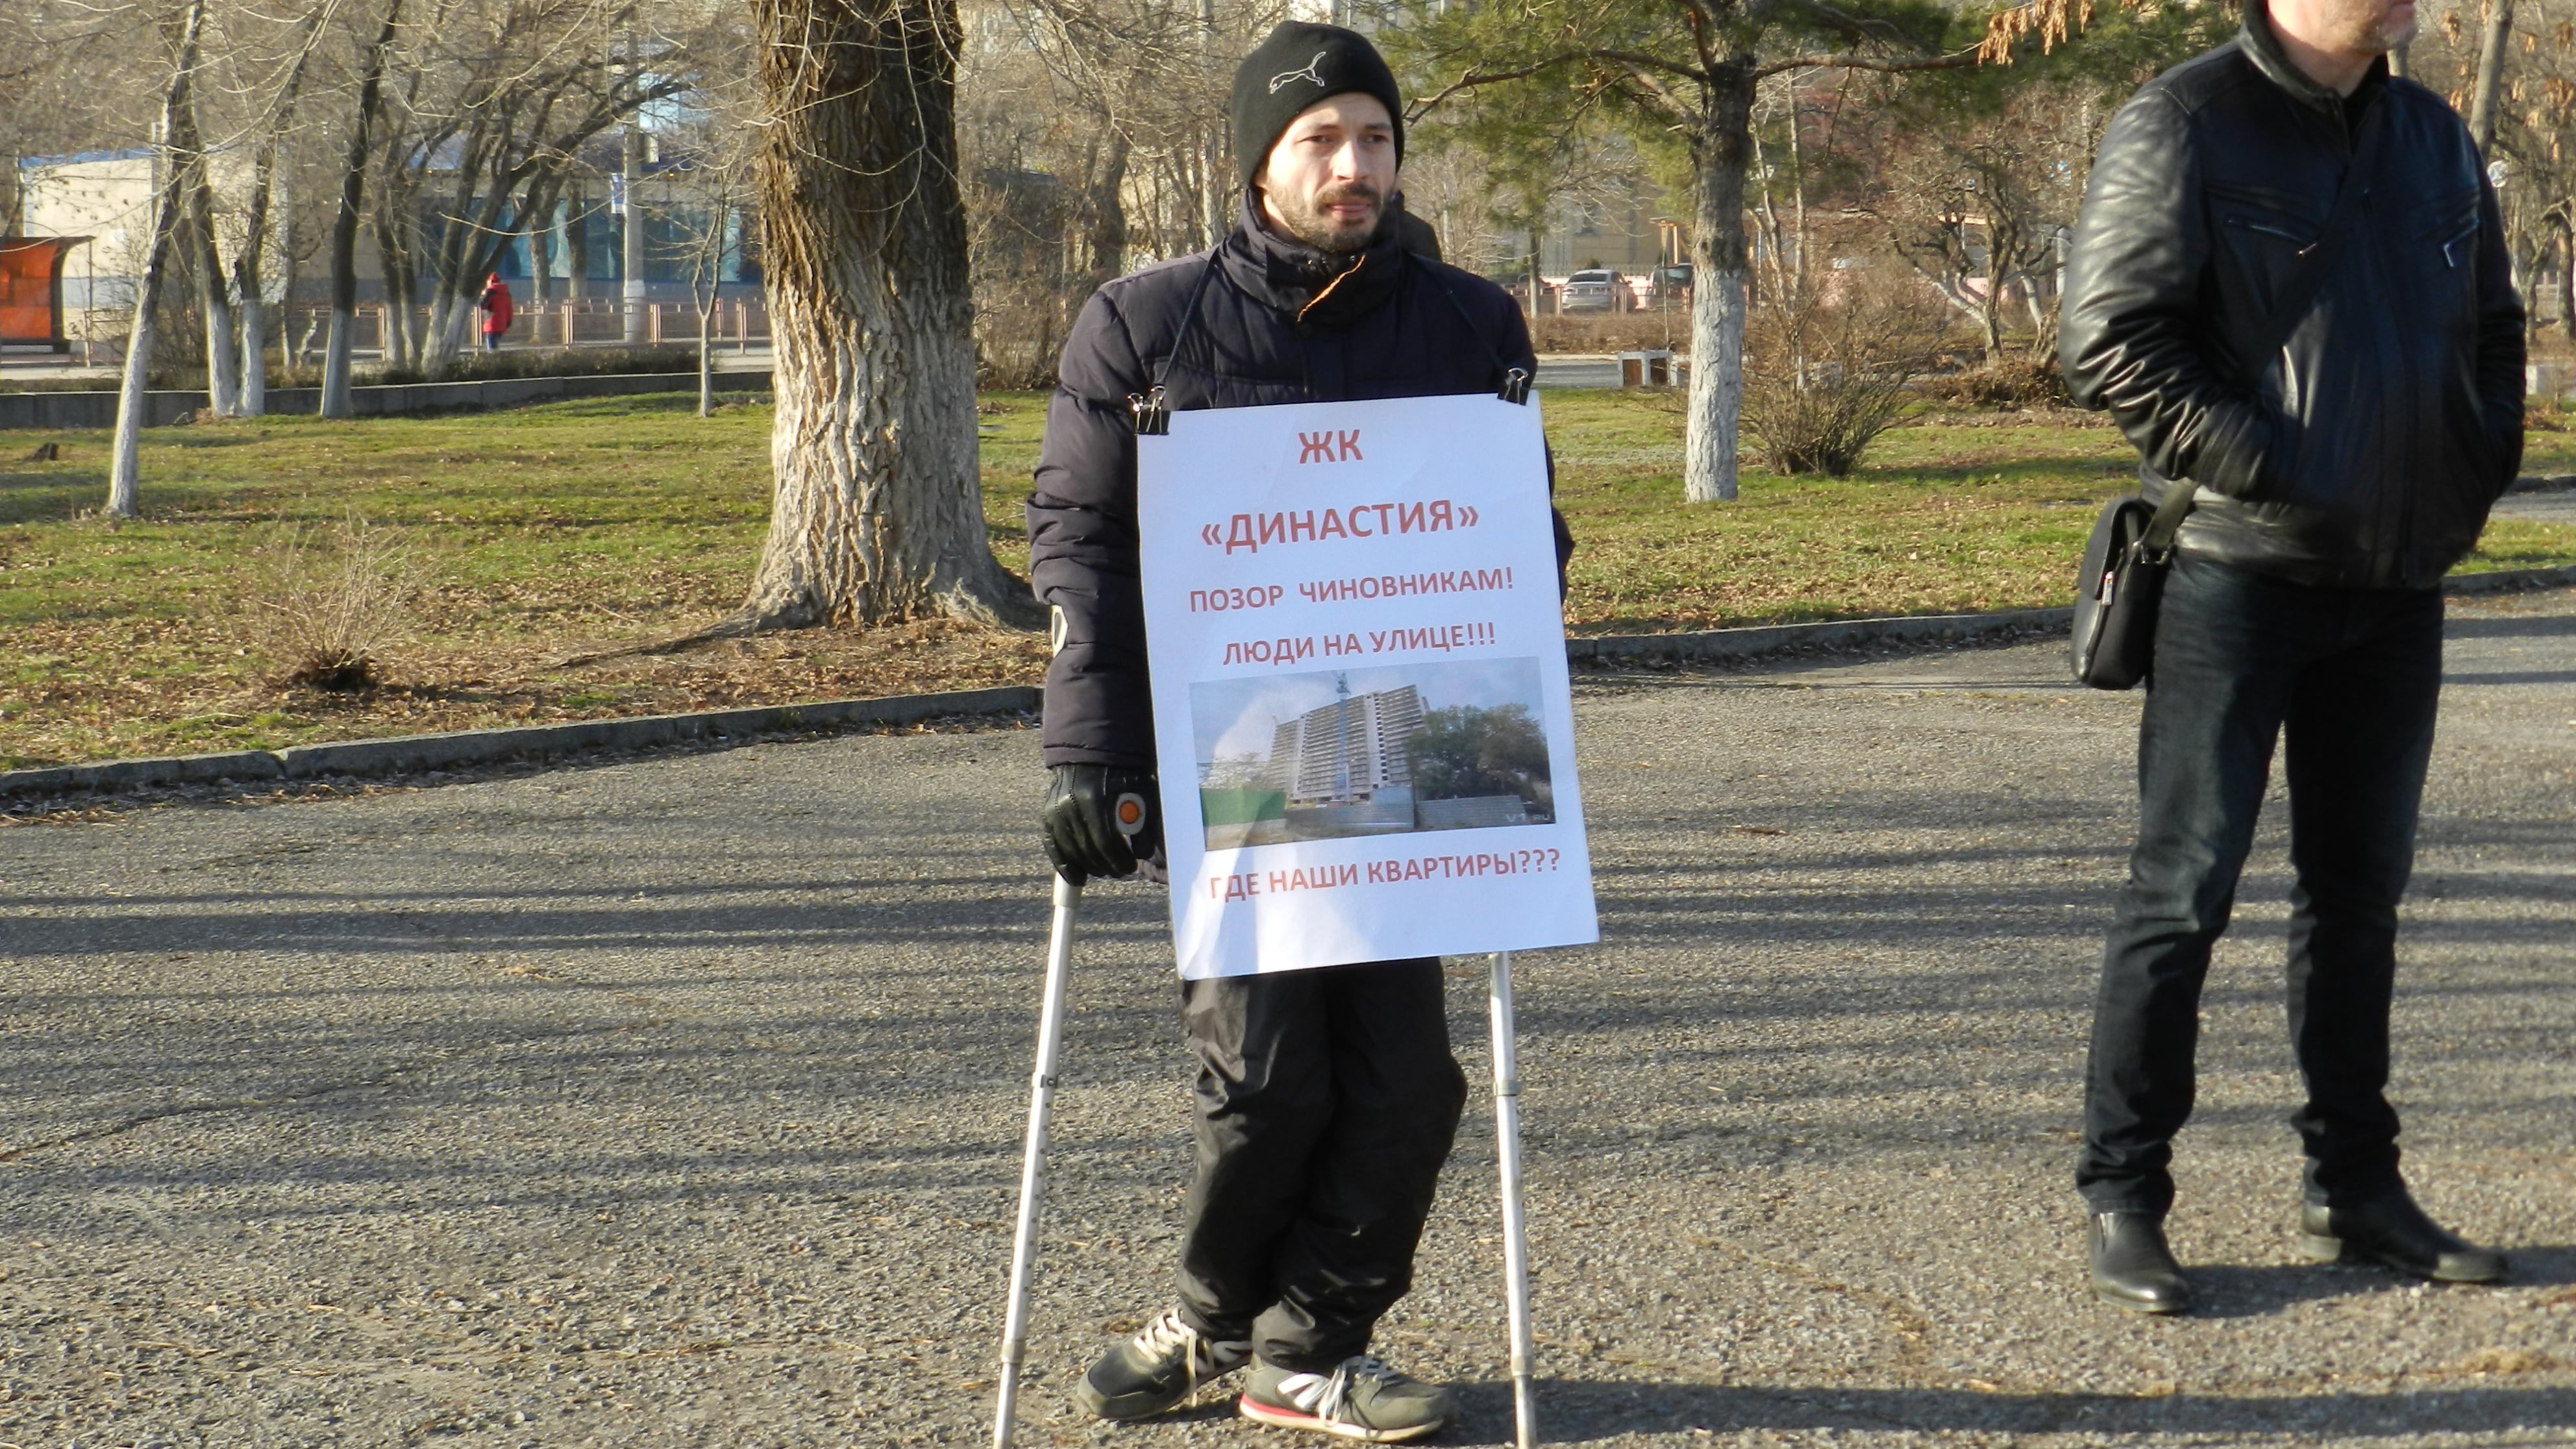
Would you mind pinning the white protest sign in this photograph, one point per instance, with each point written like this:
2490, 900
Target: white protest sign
1361, 711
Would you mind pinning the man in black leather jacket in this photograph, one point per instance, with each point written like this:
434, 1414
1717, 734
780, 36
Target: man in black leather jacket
2336, 479
1326, 1099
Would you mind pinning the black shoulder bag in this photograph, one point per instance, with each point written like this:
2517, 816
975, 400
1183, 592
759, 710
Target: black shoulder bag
2123, 576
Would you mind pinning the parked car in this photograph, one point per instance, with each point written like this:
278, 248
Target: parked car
1516, 285
1595, 290
1669, 286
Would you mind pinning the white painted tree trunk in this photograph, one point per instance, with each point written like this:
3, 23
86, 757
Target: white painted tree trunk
223, 382
223, 374
335, 364
1716, 406
254, 358
125, 469
444, 338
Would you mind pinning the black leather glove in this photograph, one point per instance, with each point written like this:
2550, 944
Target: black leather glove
1081, 820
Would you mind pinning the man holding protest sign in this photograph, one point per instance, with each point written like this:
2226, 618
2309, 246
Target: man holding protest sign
1326, 1097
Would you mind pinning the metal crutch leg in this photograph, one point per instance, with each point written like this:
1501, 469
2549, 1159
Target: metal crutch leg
1507, 1156
1024, 1241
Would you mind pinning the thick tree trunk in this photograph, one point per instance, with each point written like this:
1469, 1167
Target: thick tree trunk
344, 223
124, 475
1716, 404
878, 513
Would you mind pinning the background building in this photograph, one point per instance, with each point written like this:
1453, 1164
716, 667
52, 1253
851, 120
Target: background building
1348, 750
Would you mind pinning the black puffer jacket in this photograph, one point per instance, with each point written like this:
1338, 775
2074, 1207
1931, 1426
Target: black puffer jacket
1276, 322
2367, 453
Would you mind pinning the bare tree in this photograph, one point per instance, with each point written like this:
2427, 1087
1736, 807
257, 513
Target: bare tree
247, 289
720, 150
196, 237
537, 82
1681, 71
1977, 207
124, 479
344, 224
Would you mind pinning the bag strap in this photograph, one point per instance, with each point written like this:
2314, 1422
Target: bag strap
2313, 264
1153, 416
1516, 383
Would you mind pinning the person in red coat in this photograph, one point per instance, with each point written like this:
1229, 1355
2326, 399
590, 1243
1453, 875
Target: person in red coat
496, 308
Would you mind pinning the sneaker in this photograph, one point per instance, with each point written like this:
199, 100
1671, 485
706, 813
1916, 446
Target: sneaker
1360, 1399
1156, 1369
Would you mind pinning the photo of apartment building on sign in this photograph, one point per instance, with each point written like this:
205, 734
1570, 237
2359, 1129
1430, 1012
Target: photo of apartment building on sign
1371, 752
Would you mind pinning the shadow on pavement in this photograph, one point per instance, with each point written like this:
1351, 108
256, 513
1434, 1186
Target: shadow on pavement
1574, 1412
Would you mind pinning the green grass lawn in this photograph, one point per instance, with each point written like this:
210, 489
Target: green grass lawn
545, 533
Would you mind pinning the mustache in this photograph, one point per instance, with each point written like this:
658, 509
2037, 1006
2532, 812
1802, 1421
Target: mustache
1348, 191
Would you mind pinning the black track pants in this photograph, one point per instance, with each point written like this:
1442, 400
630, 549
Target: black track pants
1326, 1104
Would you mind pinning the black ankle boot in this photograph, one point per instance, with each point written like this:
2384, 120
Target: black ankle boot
2132, 1267
2388, 1229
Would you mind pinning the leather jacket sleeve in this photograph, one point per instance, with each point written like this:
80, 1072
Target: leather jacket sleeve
2501, 346
2132, 338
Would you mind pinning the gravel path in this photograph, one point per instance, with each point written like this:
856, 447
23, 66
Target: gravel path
677, 1101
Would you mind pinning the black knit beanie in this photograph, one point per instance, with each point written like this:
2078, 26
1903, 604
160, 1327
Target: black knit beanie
1300, 64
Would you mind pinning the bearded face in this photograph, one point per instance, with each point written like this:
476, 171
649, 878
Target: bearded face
1327, 181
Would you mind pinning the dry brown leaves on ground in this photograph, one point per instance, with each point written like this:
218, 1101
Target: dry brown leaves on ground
434, 686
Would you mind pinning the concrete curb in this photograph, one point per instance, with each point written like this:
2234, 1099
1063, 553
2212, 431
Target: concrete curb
472, 747
1719, 646
2509, 581
1725, 645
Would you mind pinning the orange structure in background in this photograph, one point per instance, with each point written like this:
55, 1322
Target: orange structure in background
31, 290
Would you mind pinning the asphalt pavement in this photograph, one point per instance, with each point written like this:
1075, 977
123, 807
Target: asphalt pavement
676, 1099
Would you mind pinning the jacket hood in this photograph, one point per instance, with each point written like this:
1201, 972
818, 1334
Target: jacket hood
1319, 289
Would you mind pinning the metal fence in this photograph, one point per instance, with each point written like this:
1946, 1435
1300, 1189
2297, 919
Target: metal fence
739, 324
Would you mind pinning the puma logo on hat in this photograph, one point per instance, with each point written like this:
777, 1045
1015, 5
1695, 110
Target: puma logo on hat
1314, 71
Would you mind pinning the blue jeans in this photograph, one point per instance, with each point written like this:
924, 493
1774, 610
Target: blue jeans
2351, 677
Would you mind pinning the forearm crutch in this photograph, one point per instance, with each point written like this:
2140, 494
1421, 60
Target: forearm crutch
1024, 1240
1507, 1157
1130, 811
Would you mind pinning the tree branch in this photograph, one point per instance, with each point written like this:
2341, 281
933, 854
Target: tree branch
1957, 60
1472, 79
